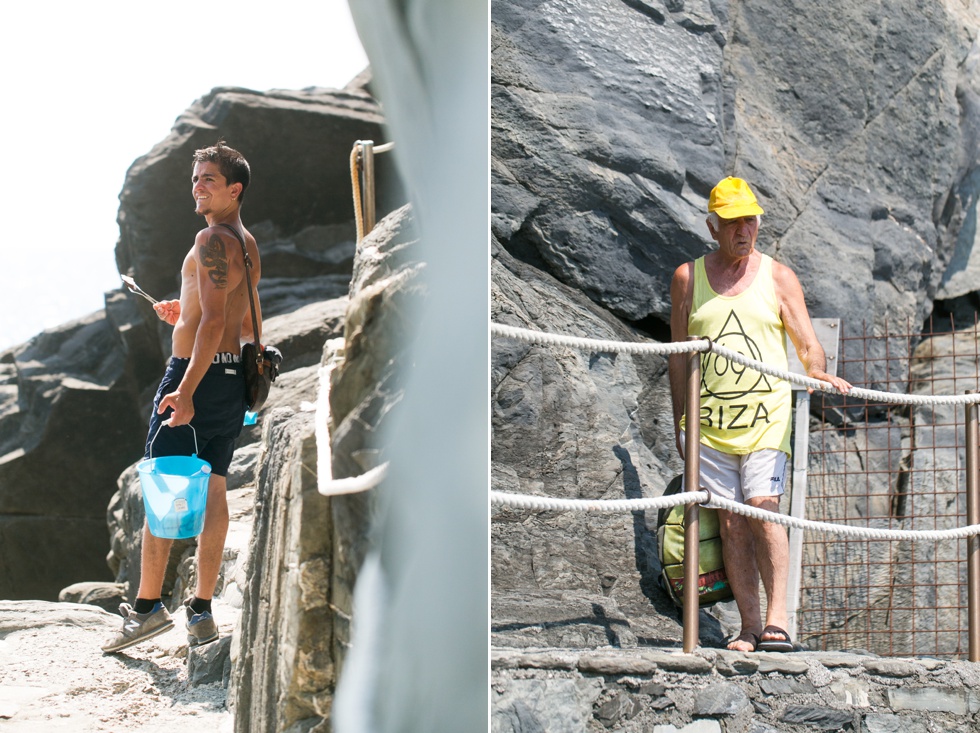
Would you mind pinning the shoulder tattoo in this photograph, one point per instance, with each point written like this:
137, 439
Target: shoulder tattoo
214, 258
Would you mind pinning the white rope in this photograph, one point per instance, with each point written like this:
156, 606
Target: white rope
354, 484
327, 485
616, 347
873, 533
545, 503
595, 345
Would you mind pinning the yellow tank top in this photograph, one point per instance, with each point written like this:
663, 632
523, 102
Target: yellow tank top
741, 410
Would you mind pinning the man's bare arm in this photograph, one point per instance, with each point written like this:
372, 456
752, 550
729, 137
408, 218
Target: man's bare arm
796, 321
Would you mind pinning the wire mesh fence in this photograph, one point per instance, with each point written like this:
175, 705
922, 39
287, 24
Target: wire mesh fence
896, 467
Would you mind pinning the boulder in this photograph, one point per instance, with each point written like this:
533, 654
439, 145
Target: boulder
282, 671
572, 424
367, 385
298, 145
307, 549
70, 422
107, 596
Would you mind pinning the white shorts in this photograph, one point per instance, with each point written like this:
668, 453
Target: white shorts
741, 477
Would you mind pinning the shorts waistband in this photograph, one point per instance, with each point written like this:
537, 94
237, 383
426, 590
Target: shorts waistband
222, 357
231, 368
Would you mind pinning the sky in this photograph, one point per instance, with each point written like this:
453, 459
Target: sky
90, 87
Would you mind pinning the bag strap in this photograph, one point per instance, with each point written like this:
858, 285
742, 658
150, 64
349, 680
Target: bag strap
251, 298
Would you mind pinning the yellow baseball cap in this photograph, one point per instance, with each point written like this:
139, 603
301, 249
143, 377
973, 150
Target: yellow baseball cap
732, 198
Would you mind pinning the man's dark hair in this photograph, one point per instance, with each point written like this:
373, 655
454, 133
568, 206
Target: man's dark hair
231, 163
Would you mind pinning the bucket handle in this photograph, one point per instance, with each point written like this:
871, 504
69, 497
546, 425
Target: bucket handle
160, 427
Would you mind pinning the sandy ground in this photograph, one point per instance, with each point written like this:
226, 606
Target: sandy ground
54, 676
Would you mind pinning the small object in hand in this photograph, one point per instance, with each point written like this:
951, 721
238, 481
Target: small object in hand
133, 287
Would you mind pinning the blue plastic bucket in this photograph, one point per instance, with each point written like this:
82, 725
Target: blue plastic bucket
175, 493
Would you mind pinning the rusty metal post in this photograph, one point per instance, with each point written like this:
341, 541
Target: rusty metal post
973, 543
692, 482
367, 187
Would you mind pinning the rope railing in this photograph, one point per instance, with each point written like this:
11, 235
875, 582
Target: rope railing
355, 484
700, 345
626, 347
547, 503
544, 503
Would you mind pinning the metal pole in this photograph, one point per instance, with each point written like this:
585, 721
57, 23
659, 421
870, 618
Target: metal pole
367, 190
797, 507
692, 482
973, 543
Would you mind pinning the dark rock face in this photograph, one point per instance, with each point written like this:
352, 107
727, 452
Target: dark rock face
571, 424
69, 424
611, 123
296, 182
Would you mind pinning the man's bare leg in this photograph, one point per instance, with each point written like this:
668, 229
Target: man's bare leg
140, 625
153, 564
772, 558
211, 543
737, 542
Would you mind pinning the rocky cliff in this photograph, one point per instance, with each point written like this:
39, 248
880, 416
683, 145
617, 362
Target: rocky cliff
284, 599
858, 128
75, 399
610, 124
292, 555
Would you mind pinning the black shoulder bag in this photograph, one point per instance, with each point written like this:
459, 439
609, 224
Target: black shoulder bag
260, 364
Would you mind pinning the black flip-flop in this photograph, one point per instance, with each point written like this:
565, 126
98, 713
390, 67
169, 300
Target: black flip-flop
746, 636
775, 645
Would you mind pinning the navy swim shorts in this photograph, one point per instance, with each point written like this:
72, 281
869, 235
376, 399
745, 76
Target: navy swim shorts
219, 410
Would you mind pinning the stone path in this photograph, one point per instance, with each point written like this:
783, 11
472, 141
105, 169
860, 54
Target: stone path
661, 690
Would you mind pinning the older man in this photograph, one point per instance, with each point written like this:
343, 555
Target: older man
745, 301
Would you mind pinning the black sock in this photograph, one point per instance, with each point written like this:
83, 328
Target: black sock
199, 605
145, 605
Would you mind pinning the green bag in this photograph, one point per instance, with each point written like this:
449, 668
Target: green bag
713, 585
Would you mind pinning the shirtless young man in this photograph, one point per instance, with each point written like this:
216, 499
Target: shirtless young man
746, 301
203, 386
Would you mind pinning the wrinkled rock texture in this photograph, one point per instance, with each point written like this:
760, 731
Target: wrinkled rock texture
612, 121
306, 548
74, 400
282, 647
858, 130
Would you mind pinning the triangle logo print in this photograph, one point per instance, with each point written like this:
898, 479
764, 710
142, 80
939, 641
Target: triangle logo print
736, 380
